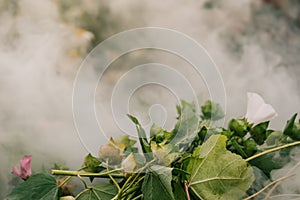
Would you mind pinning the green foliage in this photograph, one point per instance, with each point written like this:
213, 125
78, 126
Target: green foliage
142, 137
178, 190
292, 129
216, 173
157, 183
212, 111
259, 132
99, 192
92, 164
196, 160
38, 186
239, 127
187, 126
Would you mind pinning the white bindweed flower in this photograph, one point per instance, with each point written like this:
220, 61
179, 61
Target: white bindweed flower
257, 110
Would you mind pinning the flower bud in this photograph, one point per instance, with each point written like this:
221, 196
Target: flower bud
25, 169
111, 153
292, 129
129, 163
250, 147
259, 132
240, 127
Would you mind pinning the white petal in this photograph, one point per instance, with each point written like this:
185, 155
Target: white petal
264, 113
257, 110
129, 163
254, 103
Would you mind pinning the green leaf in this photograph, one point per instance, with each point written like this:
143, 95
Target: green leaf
272, 161
259, 132
216, 173
212, 111
99, 192
186, 128
142, 137
159, 135
164, 154
125, 143
91, 164
157, 184
38, 186
178, 190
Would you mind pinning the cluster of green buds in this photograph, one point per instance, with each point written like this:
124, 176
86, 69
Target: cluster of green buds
292, 129
244, 138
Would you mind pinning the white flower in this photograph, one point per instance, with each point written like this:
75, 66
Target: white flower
257, 110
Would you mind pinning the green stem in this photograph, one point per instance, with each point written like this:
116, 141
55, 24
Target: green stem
272, 150
138, 172
130, 190
89, 174
112, 178
83, 191
83, 181
124, 186
140, 196
238, 148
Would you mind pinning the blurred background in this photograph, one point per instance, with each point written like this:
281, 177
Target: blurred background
254, 43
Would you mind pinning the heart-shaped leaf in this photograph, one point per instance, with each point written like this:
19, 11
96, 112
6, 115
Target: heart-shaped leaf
216, 173
39, 186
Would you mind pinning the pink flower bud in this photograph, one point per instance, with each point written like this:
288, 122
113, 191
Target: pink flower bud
25, 171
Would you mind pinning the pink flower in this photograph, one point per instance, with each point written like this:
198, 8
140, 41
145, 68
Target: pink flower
25, 171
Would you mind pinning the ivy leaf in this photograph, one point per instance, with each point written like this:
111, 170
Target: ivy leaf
187, 127
157, 184
216, 173
99, 192
39, 186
